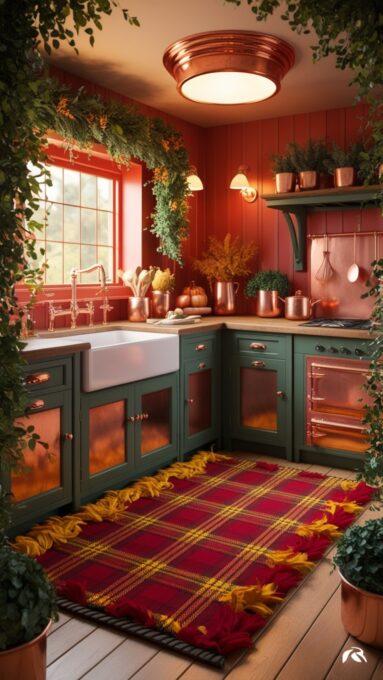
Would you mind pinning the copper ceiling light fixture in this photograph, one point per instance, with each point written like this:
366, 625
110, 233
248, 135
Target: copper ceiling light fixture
228, 67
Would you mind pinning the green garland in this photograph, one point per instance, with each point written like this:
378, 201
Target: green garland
82, 119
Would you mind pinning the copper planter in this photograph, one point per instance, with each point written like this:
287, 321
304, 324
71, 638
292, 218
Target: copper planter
224, 297
268, 304
362, 614
308, 179
160, 304
138, 308
345, 177
285, 182
27, 660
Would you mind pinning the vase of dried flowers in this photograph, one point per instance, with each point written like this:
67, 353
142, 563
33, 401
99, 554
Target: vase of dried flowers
222, 263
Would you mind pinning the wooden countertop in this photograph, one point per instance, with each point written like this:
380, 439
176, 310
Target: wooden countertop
64, 341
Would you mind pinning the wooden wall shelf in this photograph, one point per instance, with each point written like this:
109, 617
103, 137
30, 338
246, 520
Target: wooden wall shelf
301, 203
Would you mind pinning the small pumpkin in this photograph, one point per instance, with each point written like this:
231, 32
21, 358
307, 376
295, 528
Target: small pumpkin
198, 297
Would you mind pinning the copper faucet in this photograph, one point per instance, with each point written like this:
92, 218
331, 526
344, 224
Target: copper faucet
74, 310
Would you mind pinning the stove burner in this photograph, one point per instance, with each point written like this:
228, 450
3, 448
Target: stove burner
360, 324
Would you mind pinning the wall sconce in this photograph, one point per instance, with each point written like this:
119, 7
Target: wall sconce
194, 183
241, 183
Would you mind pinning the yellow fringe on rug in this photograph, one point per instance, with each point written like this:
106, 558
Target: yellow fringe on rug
348, 485
252, 598
111, 506
348, 506
168, 623
319, 526
289, 558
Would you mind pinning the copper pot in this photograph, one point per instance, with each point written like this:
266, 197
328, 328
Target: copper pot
138, 308
308, 179
160, 304
362, 613
285, 182
298, 307
267, 304
345, 177
27, 660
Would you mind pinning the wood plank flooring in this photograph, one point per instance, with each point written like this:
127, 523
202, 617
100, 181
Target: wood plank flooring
303, 640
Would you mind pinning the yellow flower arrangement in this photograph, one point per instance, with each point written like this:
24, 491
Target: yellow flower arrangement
225, 260
163, 281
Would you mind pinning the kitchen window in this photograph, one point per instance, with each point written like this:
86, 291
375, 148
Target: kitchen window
80, 213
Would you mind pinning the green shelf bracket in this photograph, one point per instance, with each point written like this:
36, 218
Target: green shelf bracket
297, 235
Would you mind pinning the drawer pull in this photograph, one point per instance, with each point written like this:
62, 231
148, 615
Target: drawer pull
258, 364
39, 403
258, 346
200, 348
145, 416
68, 436
202, 365
37, 378
139, 416
280, 394
130, 419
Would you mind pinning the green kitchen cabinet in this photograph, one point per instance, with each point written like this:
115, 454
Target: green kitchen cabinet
126, 431
46, 483
258, 392
200, 378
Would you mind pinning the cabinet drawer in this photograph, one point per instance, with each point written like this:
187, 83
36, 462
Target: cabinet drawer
48, 375
327, 345
198, 347
261, 344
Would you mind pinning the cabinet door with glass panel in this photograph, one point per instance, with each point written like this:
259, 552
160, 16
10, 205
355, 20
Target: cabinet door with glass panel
259, 391
127, 430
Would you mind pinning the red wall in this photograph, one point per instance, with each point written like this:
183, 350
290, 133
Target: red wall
217, 153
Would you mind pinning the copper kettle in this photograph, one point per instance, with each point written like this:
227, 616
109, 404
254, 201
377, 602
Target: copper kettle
298, 307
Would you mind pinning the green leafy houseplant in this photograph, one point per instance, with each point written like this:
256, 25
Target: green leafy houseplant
343, 158
310, 156
282, 163
269, 279
359, 555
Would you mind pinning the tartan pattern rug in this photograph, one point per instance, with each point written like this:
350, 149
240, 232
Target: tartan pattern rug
204, 550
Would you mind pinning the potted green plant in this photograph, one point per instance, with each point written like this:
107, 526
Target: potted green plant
359, 558
309, 161
267, 287
222, 263
284, 171
344, 163
28, 606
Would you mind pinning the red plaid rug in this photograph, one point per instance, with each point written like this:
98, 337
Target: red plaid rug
203, 550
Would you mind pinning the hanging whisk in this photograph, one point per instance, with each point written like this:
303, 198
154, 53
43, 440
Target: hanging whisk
325, 271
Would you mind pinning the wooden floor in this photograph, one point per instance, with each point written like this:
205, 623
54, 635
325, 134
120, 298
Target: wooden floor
304, 640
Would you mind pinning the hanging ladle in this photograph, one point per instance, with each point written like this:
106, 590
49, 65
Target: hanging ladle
353, 271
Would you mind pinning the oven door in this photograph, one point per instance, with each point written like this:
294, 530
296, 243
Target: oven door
336, 403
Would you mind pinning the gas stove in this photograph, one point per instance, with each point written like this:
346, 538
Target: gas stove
357, 324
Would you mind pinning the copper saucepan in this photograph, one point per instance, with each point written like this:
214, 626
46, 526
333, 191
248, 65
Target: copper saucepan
298, 307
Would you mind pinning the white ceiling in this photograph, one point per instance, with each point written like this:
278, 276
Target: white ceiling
128, 60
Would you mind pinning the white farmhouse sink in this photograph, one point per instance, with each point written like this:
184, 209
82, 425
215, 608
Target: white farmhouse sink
118, 357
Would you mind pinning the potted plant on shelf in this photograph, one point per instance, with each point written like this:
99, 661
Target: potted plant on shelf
309, 161
285, 174
222, 263
359, 558
28, 605
344, 164
162, 287
267, 287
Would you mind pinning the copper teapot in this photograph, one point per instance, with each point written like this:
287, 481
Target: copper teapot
298, 307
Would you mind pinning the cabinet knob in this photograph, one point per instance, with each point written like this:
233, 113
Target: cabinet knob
258, 346
39, 403
68, 436
200, 348
130, 419
280, 394
139, 416
359, 352
258, 364
319, 348
145, 416
201, 365
37, 378
189, 401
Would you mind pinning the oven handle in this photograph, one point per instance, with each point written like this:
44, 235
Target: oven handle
336, 426
334, 367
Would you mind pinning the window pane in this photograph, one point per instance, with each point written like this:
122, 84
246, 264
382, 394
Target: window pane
55, 192
54, 259
71, 187
88, 190
55, 222
105, 228
71, 224
40, 216
88, 257
105, 193
88, 225
105, 257
71, 259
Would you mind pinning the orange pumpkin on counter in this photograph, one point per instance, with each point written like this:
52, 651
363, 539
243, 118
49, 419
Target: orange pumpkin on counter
198, 297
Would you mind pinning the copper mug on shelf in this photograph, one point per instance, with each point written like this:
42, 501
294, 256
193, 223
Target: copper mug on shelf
138, 309
224, 297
